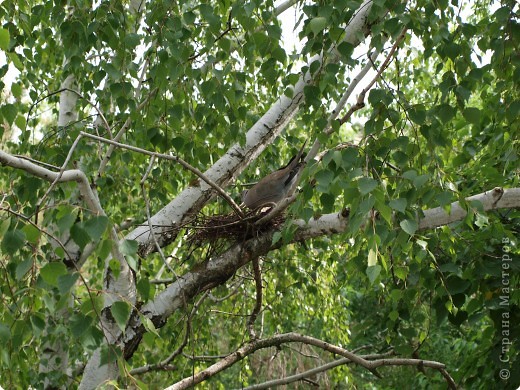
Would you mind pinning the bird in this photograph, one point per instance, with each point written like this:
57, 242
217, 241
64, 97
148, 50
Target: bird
276, 186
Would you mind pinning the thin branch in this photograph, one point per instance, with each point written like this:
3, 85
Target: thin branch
148, 215
308, 373
258, 304
177, 159
234, 290
352, 86
37, 162
173, 255
28, 220
204, 358
100, 113
284, 6
361, 97
122, 130
416, 362
297, 377
60, 173
165, 364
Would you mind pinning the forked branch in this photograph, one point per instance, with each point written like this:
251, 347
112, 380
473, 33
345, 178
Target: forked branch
292, 337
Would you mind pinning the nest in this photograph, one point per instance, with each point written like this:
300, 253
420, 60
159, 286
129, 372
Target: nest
230, 227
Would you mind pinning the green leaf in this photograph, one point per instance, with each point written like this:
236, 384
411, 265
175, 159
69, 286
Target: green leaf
373, 273
410, 175
79, 323
327, 201
4, 39
128, 247
79, 235
385, 211
96, 226
417, 114
149, 326
409, 226
13, 240
312, 95
52, 271
398, 204
472, 115
377, 96
143, 288
65, 282
132, 40
452, 50
459, 318
317, 24
38, 324
4, 225
456, 285
189, 17
23, 267
16, 90
323, 180
32, 233
446, 113
366, 185
5, 333
346, 49
103, 249
66, 218
109, 354
9, 112
421, 180
482, 220
276, 237
121, 312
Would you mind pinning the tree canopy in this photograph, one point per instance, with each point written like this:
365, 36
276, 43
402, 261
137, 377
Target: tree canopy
129, 130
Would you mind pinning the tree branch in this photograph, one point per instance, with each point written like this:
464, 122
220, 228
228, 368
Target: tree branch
292, 337
255, 345
497, 198
177, 159
361, 97
297, 377
48, 175
258, 304
148, 215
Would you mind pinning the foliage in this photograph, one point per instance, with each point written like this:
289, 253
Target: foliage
191, 78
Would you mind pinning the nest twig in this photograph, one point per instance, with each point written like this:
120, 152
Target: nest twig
229, 227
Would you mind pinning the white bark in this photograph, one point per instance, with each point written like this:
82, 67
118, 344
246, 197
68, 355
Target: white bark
334, 223
497, 198
68, 100
95, 373
70, 175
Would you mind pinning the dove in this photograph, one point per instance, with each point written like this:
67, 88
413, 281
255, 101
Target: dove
276, 186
